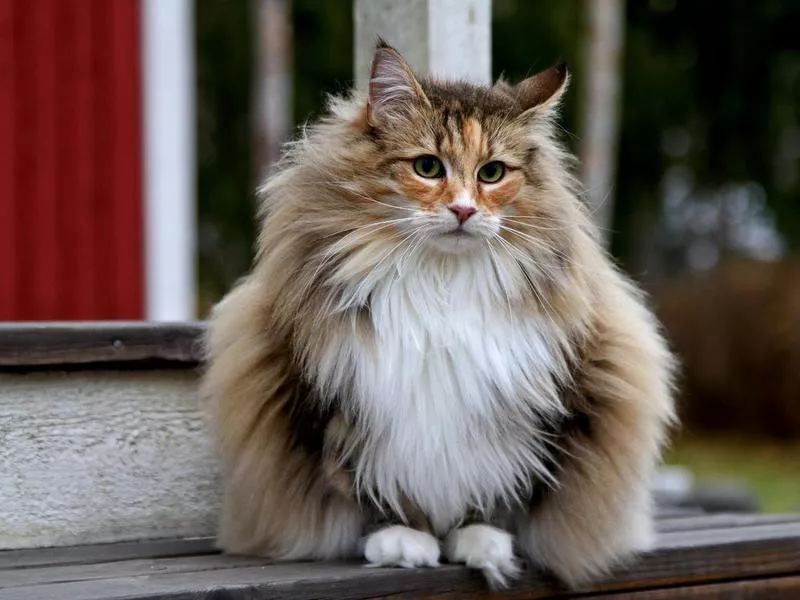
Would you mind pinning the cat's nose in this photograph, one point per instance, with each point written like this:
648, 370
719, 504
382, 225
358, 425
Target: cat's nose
462, 213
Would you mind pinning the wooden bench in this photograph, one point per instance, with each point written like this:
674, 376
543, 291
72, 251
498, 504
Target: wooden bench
715, 556
102, 446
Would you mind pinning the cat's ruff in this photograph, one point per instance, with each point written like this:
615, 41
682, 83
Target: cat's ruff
449, 367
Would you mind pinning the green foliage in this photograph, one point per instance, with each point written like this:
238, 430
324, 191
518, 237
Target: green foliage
225, 174
728, 75
725, 76
323, 53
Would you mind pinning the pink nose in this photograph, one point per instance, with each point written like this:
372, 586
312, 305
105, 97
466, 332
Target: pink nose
462, 213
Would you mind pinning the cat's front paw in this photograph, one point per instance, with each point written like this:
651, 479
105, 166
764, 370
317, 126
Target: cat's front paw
487, 548
400, 546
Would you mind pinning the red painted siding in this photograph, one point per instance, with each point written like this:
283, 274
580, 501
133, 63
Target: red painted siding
71, 241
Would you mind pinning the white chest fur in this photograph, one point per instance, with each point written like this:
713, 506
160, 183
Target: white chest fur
452, 391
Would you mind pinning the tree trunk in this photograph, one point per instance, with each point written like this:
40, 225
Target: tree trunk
603, 46
272, 83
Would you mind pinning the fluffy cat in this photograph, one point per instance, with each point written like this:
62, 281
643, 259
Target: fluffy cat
432, 346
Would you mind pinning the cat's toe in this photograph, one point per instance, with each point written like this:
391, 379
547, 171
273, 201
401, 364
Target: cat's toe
486, 548
400, 546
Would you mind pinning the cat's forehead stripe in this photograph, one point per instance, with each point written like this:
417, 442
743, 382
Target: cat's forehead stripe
464, 137
469, 100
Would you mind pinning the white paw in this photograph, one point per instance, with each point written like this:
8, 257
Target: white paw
486, 548
400, 546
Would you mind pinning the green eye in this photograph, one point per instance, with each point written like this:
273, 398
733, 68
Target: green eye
429, 166
491, 172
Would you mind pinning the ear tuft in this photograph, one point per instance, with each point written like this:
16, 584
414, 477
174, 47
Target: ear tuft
545, 88
382, 43
392, 85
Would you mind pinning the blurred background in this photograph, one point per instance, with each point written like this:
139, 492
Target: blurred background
133, 133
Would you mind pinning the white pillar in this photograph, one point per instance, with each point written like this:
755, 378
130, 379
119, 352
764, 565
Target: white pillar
444, 38
169, 166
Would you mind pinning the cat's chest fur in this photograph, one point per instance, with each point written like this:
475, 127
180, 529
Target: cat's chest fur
451, 392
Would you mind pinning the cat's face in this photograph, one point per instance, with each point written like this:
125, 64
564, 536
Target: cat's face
455, 159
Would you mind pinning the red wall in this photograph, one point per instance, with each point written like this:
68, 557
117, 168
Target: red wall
70, 160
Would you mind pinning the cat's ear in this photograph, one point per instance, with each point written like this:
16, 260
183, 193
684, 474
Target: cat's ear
543, 91
392, 85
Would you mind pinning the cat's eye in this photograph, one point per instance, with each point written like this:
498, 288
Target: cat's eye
429, 166
491, 172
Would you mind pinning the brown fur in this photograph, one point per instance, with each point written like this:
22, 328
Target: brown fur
288, 453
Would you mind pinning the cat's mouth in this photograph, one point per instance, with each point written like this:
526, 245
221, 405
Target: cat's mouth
458, 232
455, 240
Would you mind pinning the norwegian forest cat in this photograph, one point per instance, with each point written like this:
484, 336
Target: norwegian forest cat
432, 357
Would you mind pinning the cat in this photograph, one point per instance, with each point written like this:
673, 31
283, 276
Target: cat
432, 355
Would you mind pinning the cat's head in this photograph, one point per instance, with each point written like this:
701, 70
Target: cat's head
461, 157
418, 167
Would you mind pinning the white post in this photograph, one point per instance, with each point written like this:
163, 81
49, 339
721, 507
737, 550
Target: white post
603, 45
444, 38
169, 167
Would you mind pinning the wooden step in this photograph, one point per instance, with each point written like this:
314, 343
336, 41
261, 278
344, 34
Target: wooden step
719, 556
101, 435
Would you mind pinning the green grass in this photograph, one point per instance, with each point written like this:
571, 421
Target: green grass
769, 469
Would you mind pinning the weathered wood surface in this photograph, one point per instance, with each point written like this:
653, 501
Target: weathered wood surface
103, 456
166, 548
72, 344
724, 556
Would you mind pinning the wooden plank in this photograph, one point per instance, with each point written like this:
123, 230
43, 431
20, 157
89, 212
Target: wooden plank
722, 521
63, 344
777, 588
127, 568
100, 553
693, 559
104, 456
292, 581
675, 512
163, 548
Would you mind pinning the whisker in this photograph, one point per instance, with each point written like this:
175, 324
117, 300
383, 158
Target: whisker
345, 188
493, 260
540, 244
543, 219
413, 246
538, 227
331, 252
531, 284
379, 224
357, 293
